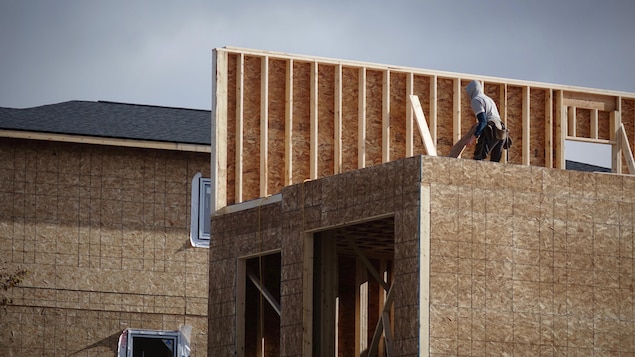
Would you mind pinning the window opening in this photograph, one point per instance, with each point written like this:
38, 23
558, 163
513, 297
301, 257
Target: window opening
156, 343
584, 156
200, 217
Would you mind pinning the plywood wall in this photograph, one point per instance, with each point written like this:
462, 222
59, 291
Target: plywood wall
104, 234
281, 119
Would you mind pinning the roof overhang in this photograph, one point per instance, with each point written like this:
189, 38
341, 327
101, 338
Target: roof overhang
93, 140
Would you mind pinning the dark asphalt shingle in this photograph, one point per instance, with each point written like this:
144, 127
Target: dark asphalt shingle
113, 120
580, 166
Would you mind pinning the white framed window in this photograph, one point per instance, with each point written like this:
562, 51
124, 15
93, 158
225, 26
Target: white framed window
143, 343
200, 219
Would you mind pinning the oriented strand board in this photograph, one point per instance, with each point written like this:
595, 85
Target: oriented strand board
276, 126
537, 126
326, 129
301, 121
374, 112
421, 88
515, 124
350, 119
397, 115
445, 107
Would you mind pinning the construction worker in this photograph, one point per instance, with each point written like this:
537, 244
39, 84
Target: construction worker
491, 132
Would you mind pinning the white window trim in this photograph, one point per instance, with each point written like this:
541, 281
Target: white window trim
181, 346
198, 236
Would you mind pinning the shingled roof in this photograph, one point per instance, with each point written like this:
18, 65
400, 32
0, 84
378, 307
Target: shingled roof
112, 120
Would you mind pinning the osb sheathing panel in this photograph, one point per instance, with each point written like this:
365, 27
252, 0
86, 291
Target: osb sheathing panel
374, 112
397, 116
350, 124
537, 120
251, 127
354, 196
301, 121
276, 123
326, 130
102, 232
527, 260
515, 124
382, 90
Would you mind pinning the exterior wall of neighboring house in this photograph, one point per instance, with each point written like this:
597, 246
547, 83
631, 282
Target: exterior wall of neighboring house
486, 259
103, 232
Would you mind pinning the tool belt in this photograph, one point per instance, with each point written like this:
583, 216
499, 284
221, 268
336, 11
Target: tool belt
500, 133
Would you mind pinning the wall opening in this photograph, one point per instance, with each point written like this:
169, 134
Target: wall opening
352, 301
259, 305
584, 156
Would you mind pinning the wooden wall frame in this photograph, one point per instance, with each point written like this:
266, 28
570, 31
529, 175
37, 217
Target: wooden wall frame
280, 119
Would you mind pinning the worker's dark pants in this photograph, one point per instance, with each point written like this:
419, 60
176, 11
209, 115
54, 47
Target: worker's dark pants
488, 144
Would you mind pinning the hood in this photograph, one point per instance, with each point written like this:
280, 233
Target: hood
473, 89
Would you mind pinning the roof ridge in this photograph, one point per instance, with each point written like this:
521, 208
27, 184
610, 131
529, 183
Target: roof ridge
150, 105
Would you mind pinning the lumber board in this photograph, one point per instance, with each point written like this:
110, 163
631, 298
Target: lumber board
264, 125
409, 117
423, 126
240, 95
526, 126
361, 127
385, 118
549, 128
626, 149
218, 159
460, 145
288, 125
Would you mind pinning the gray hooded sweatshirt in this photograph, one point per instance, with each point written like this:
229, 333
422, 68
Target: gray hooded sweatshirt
481, 103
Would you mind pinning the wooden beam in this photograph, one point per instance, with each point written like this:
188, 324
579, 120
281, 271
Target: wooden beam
526, 126
423, 126
265, 292
361, 307
459, 146
561, 131
625, 147
594, 123
409, 117
548, 128
502, 110
94, 140
587, 100
369, 266
456, 114
288, 125
361, 117
264, 125
240, 97
314, 141
424, 271
616, 153
218, 163
337, 155
307, 294
572, 121
385, 118
379, 328
433, 109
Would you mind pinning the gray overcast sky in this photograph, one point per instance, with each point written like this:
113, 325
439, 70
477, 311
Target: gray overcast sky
159, 52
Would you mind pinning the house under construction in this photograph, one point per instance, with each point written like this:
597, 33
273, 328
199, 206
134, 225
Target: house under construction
339, 227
